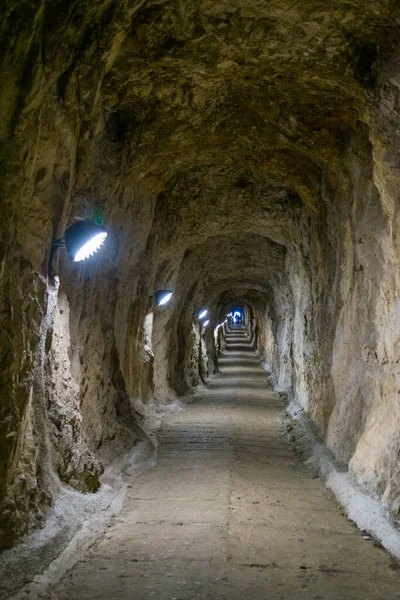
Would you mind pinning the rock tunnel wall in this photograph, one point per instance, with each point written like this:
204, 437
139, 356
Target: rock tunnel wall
222, 174
331, 333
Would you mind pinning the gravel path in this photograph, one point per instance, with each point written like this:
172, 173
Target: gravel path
229, 512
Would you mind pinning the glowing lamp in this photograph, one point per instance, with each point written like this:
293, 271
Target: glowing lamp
202, 313
206, 323
162, 297
83, 239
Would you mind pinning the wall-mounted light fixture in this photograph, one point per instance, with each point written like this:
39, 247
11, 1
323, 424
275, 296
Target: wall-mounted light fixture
162, 297
81, 240
206, 323
201, 313
221, 324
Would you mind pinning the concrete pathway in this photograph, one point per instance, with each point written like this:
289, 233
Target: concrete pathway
230, 513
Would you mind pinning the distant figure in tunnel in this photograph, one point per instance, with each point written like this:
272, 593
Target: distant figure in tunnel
237, 318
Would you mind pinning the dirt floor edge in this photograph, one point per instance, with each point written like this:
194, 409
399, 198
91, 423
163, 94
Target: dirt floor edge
367, 512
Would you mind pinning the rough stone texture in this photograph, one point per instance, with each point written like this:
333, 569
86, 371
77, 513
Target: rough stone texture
228, 512
241, 151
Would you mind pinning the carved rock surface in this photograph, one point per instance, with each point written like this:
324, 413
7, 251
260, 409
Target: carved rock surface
242, 152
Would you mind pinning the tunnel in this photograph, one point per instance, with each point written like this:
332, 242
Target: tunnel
163, 165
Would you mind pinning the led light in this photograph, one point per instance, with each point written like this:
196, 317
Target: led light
202, 313
163, 297
206, 323
90, 247
83, 239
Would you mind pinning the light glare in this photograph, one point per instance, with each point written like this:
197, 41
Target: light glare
203, 313
90, 247
206, 323
166, 299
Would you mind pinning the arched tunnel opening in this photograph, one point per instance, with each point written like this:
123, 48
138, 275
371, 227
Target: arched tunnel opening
199, 299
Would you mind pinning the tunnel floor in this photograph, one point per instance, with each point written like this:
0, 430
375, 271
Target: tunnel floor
230, 512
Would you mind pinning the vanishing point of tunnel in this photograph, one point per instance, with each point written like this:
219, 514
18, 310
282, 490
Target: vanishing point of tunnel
200, 299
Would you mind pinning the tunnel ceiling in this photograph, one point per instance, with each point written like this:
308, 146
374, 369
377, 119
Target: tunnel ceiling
210, 201
239, 110
224, 262
267, 87
233, 112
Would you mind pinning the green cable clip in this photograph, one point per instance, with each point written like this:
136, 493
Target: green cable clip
99, 215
